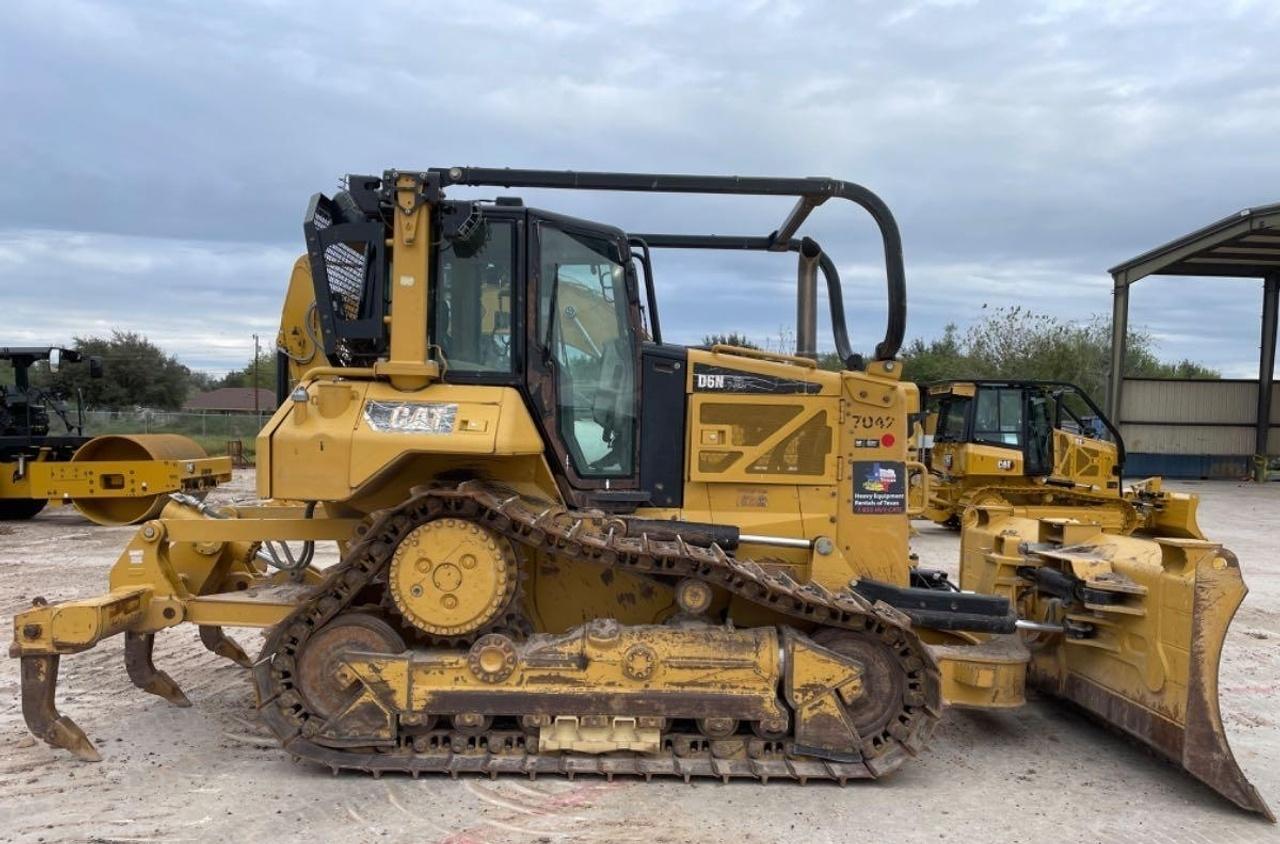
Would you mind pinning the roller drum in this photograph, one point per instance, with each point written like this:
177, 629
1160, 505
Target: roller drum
128, 509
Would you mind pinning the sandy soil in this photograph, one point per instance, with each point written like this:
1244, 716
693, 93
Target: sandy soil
210, 774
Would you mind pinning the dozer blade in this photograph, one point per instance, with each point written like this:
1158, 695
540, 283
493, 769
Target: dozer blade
1163, 693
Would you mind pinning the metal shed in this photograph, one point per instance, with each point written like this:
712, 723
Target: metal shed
1243, 245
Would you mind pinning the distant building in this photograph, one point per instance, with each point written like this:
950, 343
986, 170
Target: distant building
232, 400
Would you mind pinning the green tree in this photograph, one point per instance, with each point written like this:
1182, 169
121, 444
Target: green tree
937, 359
733, 338
266, 373
1142, 363
1014, 342
203, 382
137, 373
830, 361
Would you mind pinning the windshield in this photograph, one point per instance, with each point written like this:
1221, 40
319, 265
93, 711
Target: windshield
998, 417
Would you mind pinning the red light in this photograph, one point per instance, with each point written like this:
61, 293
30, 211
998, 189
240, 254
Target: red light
887, 440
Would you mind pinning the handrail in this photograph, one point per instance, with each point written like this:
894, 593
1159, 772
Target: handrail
761, 354
315, 373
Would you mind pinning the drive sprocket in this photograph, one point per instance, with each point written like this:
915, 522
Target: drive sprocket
451, 577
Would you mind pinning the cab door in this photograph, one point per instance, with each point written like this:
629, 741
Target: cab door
583, 363
1037, 460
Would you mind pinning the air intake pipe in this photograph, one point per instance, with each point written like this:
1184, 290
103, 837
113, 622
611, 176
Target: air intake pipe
807, 299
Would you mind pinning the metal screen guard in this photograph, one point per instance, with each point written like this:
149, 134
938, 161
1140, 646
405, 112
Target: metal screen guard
811, 192
346, 260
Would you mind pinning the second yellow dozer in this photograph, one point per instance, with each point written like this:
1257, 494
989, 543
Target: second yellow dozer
568, 547
1043, 445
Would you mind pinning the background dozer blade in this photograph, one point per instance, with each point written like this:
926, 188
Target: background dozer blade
1178, 716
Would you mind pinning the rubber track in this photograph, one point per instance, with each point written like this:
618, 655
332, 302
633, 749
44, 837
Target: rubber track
583, 537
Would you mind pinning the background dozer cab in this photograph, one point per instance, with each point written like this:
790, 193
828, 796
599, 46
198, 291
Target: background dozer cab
570, 547
115, 479
1041, 444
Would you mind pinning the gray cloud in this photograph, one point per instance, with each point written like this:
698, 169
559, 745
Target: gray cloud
159, 158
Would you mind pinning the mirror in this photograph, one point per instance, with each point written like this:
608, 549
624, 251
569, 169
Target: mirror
95, 367
464, 226
55, 359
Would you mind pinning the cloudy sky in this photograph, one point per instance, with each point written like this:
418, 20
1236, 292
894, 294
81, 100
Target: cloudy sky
158, 157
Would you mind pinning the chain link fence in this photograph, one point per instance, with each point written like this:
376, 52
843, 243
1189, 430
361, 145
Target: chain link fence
214, 431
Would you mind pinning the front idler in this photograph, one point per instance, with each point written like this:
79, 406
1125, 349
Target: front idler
39, 686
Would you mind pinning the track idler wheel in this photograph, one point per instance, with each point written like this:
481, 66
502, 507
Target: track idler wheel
883, 684
321, 676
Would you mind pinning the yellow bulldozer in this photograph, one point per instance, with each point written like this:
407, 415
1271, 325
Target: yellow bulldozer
568, 547
1042, 445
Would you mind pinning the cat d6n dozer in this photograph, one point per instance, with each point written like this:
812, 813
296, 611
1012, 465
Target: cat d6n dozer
113, 479
1044, 445
569, 547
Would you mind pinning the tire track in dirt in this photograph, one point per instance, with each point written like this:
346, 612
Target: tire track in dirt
502, 810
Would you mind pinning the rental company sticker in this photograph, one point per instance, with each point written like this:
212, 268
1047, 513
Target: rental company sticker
879, 488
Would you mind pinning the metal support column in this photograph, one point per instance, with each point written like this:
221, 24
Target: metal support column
1119, 337
1266, 368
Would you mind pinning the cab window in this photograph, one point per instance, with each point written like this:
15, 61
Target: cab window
585, 327
951, 418
997, 419
1076, 417
471, 312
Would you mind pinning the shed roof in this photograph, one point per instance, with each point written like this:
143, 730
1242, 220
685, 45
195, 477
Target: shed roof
1243, 245
232, 398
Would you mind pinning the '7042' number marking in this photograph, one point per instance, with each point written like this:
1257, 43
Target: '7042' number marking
860, 421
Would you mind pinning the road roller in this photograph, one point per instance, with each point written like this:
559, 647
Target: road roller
115, 479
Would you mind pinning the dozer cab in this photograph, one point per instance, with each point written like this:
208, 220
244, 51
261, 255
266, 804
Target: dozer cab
114, 479
569, 547
1039, 444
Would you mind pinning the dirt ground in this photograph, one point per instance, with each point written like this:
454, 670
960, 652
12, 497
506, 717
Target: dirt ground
209, 773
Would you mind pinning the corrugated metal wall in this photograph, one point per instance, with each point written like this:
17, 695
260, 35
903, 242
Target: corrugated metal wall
1184, 428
